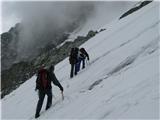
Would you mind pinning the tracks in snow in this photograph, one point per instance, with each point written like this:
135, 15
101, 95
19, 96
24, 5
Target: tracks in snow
124, 65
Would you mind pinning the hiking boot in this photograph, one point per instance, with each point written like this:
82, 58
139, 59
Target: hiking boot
47, 107
37, 115
71, 76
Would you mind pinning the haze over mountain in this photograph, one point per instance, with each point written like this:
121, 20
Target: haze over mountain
43, 23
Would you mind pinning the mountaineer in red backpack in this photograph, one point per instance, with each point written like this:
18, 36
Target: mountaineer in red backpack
43, 85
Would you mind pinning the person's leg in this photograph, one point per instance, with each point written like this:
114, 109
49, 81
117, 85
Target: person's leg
76, 68
83, 62
78, 64
49, 99
72, 69
40, 102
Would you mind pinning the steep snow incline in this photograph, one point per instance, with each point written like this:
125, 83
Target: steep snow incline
120, 81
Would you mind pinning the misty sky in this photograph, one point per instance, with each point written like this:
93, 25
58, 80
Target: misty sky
13, 12
41, 21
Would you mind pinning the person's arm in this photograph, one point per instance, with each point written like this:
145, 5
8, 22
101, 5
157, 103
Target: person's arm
56, 82
69, 59
87, 55
37, 80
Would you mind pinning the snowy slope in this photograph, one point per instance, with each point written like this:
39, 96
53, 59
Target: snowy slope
121, 80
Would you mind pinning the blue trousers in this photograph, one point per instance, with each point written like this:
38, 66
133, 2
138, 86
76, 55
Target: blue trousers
78, 64
83, 62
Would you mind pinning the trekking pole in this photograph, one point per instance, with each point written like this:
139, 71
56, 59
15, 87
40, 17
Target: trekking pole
62, 95
87, 61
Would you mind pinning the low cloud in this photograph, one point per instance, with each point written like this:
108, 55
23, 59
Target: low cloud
42, 21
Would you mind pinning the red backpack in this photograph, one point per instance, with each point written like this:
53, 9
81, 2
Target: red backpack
43, 79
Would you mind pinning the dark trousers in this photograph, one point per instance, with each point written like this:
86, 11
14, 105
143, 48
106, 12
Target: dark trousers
73, 70
42, 94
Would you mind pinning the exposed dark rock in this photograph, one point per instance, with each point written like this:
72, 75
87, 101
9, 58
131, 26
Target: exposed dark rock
91, 34
102, 30
95, 84
135, 9
9, 42
22, 71
15, 76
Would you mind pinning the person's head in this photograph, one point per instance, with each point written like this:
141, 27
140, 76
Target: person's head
42, 66
76, 49
72, 49
82, 48
52, 68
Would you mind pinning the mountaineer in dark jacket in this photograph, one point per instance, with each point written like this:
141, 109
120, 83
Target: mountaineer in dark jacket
83, 56
43, 84
73, 61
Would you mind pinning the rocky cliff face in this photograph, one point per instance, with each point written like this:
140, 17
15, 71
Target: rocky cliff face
13, 52
21, 71
137, 7
9, 42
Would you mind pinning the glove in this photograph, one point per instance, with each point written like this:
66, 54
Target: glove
36, 89
62, 90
